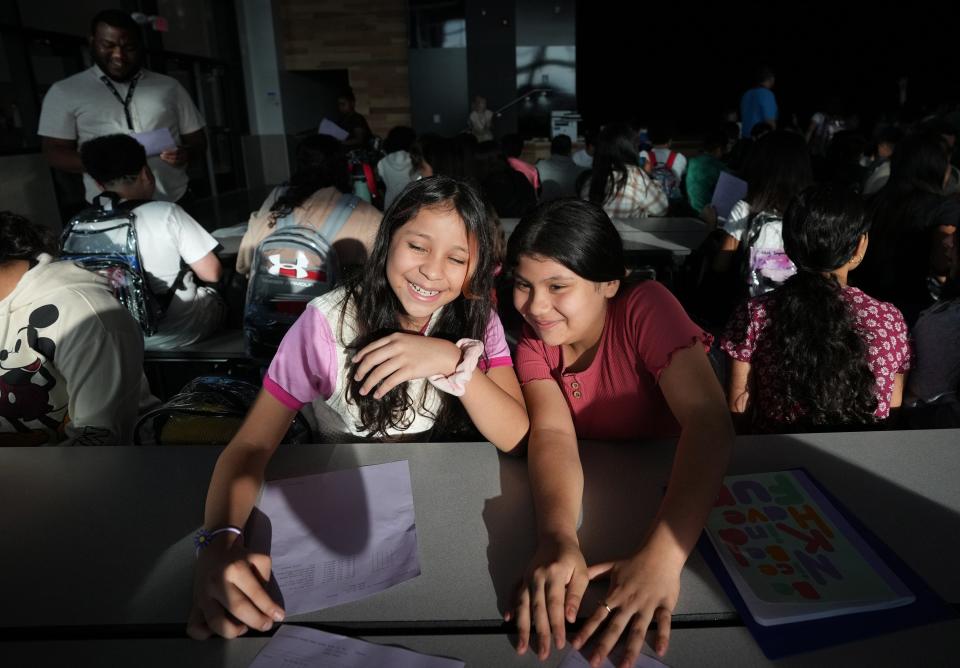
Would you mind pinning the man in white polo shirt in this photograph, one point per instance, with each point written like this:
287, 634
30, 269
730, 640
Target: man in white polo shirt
117, 95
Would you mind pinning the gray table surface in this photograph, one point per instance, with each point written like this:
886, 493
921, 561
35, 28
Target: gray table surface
102, 536
932, 645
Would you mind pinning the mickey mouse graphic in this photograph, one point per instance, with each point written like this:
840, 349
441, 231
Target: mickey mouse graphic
22, 399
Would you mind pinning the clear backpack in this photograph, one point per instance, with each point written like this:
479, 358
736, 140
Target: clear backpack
103, 239
290, 267
763, 269
207, 411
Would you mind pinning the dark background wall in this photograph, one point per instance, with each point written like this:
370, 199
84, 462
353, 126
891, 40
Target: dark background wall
690, 61
492, 56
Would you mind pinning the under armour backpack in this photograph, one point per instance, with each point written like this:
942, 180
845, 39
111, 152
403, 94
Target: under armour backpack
103, 239
290, 268
665, 176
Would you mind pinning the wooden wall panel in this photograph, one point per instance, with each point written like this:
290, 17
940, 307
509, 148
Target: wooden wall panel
368, 38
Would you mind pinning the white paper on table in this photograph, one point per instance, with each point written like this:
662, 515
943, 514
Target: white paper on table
575, 659
297, 646
155, 142
728, 191
330, 128
337, 537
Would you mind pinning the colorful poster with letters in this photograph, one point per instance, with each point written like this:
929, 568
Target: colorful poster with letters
792, 556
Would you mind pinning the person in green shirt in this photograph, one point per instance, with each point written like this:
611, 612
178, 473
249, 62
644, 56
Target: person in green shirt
704, 169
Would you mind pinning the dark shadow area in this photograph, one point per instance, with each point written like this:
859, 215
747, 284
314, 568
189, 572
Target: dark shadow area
511, 527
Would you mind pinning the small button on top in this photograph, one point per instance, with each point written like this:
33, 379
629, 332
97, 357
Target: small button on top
577, 394
575, 385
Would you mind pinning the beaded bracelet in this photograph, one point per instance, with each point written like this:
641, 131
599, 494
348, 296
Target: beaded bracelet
203, 538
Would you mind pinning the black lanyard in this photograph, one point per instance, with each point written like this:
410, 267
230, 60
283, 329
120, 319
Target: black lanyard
125, 102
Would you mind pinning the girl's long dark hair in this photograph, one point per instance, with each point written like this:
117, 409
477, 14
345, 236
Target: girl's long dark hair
778, 168
615, 151
821, 361
321, 163
378, 310
577, 234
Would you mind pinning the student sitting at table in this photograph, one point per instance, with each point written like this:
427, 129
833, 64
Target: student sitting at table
817, 353
618, 183
169, 241
71, 357
606, 358
752, 248
319, 186
409, 348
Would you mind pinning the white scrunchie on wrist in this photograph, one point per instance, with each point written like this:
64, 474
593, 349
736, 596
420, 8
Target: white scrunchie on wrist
471, 351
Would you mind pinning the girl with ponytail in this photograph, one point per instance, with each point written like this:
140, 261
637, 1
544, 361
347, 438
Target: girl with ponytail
817, 353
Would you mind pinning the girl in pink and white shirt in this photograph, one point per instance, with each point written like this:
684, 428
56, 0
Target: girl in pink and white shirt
408, 345
816, 353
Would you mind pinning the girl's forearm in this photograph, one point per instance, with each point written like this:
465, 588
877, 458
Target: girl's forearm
556, 482
703, 454
501, 418
234, 487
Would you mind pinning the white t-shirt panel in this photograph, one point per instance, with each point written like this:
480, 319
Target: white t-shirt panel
771, 235
82, 107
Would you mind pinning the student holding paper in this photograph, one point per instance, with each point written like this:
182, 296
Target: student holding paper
605, 358
408, 348
118, 95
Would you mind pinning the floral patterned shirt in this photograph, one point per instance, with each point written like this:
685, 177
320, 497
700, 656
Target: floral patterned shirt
879, 324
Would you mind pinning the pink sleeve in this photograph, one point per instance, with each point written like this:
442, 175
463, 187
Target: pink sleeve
664, 327
495, 345
739, 340
305, 366
532, 362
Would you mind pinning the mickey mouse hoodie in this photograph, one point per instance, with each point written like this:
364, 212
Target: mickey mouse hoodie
71, 360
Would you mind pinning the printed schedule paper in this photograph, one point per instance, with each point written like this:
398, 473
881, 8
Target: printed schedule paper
297, 647
328, 127
155, 142
337, 537
728, 191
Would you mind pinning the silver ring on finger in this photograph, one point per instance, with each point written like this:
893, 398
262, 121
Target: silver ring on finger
609, 609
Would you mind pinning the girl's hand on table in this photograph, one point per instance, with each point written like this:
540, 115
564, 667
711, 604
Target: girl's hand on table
228, 592
643, 588
550, 594
399, 357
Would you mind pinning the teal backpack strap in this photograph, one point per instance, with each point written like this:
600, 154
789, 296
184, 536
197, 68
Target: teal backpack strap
338, 217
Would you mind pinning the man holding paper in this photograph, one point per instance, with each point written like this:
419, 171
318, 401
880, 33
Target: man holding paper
118, 95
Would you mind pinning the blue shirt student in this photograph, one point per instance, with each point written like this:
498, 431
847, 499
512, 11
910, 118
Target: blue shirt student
756, 106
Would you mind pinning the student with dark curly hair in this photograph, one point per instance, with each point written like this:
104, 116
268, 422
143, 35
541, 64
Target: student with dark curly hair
815, 353
71, 357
